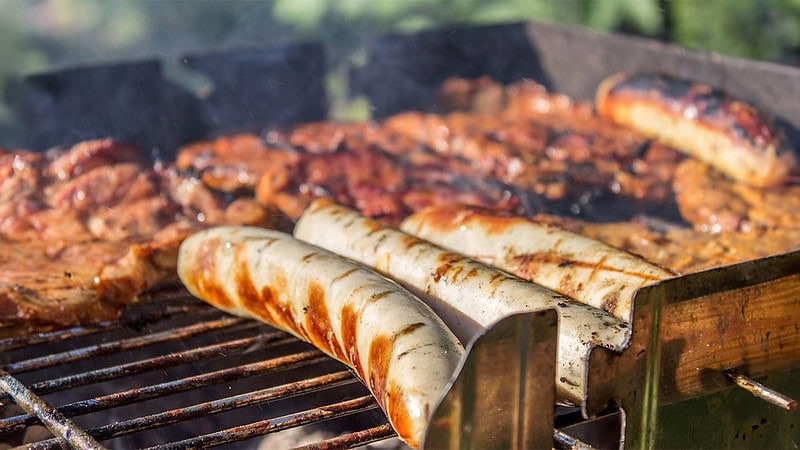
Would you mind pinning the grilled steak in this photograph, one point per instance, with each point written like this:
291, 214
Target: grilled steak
83, 231
684, 250
533, 152
712, 202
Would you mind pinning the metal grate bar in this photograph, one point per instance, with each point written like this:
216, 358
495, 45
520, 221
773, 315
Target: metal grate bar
121, 345
216, 406
52, 419
355, 439
220, 335
59, 335
159, 362
262, 427
212, 407
69, 333
184, 384
46, 387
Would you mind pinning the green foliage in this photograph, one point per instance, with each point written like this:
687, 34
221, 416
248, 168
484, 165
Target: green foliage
754, 29
38, 35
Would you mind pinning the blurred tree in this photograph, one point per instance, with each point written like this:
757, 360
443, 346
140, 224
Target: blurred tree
38, 35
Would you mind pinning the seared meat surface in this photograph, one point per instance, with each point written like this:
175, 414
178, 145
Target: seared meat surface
712, 202
525, 151
84, 230
684, 250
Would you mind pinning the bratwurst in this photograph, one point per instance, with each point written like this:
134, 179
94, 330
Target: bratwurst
583, 269
398, 347
468, 295
726, 133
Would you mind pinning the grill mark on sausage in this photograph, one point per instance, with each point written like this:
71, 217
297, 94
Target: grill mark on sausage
411, 241
246, 291
528, 262
205, 275
398, 412
374, 298
318, 324
447, 262
282, 311
596, 268
380, 354
449, 218
379, 242
345, 275
610, 302
412, 349
349, 335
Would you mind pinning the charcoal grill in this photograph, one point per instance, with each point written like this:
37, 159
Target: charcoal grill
171, 344
230, 369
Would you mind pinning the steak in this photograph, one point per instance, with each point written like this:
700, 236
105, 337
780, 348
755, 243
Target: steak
82, 231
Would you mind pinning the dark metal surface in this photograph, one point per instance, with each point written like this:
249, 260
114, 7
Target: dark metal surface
246, 90
289, 383
503, 394
50, 417
358, 438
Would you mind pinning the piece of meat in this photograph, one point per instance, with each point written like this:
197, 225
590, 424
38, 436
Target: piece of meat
76, 284
469, 296
79, 238
103, 186
583, 269
87, 155
712, 202
234, 162
684, 250
395, 344
730, 135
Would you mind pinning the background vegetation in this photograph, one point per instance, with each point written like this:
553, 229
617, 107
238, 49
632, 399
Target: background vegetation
38, 35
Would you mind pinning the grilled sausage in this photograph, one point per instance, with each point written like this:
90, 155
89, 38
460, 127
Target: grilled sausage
398, 347
581, 268
730, 135
469, 296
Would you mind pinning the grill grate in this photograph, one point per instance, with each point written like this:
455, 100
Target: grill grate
176, 373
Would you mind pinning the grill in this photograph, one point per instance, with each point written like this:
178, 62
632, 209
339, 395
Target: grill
118, 383
175, 373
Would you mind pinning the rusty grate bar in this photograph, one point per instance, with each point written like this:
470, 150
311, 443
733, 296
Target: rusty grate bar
123, 344
184, 384
52, 419
355, 439
262, 341
226, 404
262, 427
69, 333
172, 359
221, 336
59, 335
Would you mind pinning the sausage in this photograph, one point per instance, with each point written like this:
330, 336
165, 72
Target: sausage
468, 295
583, 269
728, 134
395, 344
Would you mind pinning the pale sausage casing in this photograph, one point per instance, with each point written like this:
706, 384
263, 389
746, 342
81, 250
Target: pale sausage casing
468, 295
584, 269
395, 343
